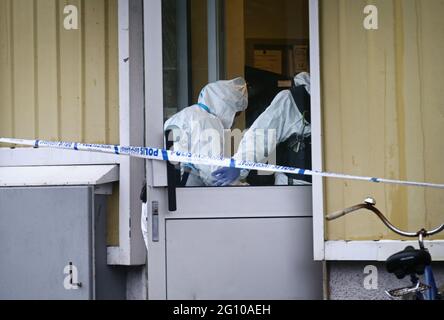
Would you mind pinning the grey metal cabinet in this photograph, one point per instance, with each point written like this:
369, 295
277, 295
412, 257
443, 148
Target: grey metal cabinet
51, 239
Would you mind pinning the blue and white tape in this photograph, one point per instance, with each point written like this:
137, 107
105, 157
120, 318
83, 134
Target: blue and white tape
182, 157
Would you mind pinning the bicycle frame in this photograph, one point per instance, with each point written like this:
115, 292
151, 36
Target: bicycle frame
432, 293
424, 291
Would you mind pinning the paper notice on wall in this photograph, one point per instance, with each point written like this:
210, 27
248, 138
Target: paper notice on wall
300, 58
268, 60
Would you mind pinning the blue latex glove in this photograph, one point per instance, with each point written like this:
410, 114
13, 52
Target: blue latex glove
226, 176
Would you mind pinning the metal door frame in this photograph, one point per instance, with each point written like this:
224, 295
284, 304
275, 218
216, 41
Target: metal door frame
156, 171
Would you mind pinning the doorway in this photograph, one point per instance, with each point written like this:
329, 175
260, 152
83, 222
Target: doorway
249, 241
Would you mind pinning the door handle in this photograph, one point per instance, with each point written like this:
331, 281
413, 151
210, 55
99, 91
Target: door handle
155, 221
172, 177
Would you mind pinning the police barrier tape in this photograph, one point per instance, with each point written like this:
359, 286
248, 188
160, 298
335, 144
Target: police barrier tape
183, 157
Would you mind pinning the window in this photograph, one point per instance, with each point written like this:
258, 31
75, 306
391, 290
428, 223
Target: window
263, 42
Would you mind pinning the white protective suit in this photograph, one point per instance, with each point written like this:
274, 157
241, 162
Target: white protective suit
199, 129
276, 124
144, 223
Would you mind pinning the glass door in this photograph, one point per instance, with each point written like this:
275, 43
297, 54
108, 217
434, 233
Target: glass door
235, 82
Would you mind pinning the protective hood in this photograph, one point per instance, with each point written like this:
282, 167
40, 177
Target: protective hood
224, 99
303, 79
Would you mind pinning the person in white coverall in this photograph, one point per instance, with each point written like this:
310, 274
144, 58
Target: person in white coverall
199, 129
284, 117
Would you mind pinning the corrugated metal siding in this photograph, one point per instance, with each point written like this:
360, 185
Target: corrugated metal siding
59, 84
383, 111
54, 83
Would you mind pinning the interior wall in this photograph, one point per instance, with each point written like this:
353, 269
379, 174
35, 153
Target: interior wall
268, 20
383, 112
276, 19
199, 46
235, 47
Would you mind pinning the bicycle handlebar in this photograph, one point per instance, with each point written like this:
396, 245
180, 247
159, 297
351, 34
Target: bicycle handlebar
369, 204
341, 213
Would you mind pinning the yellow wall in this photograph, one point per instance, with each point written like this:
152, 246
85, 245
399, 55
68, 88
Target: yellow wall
383, 111
57, 84
54, 83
